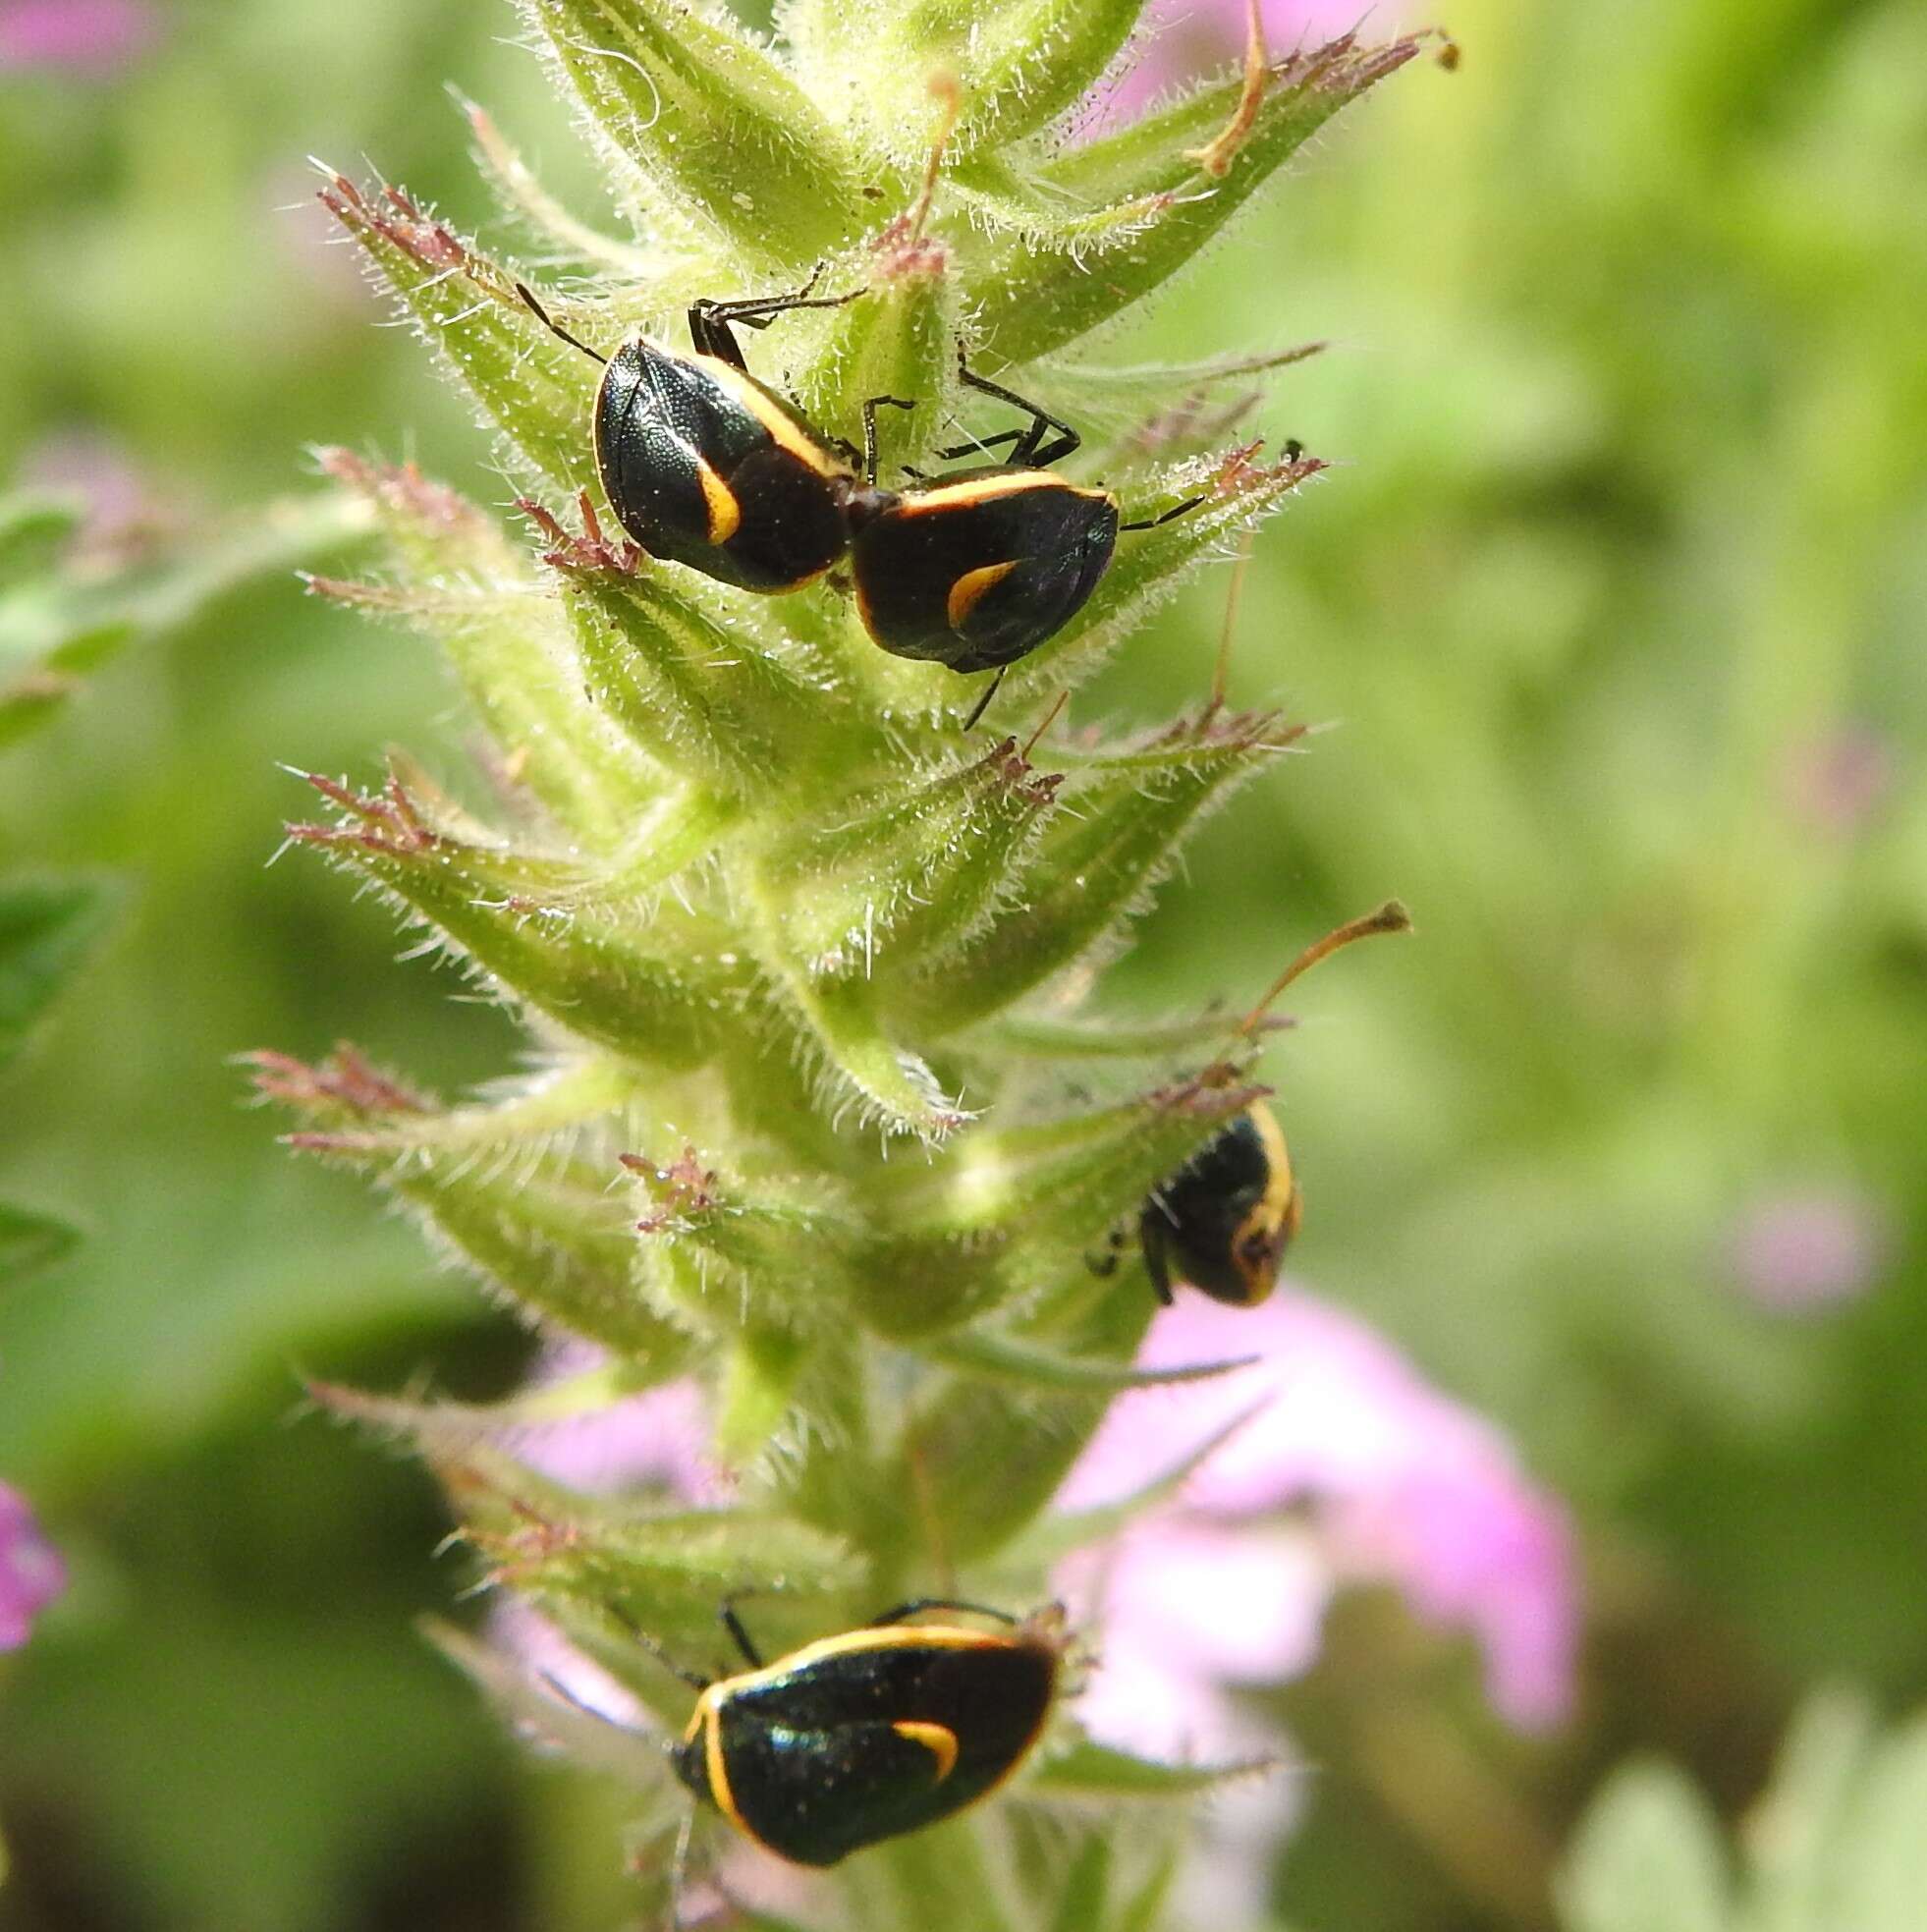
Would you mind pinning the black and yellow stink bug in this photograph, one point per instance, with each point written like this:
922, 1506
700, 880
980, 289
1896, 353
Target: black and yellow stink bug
1224, 1220
977, 569
709, 468
873, 1733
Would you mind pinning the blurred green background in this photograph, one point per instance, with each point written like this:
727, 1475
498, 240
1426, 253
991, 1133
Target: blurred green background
1617, 603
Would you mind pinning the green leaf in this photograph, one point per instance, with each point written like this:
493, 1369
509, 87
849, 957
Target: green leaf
465, 586
712, 122
524, 196
709, 700
999, 1359
1647, 1859
1144, 1912
724, 1252
1090, 1770
62, 617
898, 339
1149, 566
994, 1456
1790, 1836
30, 1241
604, 1566
1880, 1855
35, 528
982, 1458
1052, 1538
538, 388
1046, 1036
1162, 408
545, 1716
47, 929
1037, 294
530, 924
1125, 816
1051, 1187
911, 865
454, 1432
1017, 63
1080, 1903
538, 1224
840, 1023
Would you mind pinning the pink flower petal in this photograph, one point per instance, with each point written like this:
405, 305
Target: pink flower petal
521, 1630
659, 1437
1800, 1249
1179, 41
1403, 1484
95, 37
1182, 1608
31, 1573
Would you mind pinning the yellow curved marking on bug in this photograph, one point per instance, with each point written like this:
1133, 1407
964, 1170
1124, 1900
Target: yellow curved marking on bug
983, 489
784, 429
1273, 1220
970, 589
873, 1636
719, 1777
936, 1739
719, 501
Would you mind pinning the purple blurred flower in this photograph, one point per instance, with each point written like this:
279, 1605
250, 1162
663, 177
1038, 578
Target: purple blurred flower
517, 1628
98, 39
31, 1574
1179, 41
658, 1438
1800, 1249
1393, 1482
1835, 782
124, 511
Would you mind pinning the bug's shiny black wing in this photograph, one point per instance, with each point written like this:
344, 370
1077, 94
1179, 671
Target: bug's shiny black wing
1196, 1215
979, 570
793, 526
814, 1796
836, 1752
762, 516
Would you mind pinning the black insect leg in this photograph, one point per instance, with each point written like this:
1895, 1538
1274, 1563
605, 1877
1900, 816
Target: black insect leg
711, 323
1151, 1236
621, 1616
1183, 509
1032, 447
983, 703
981, 444
871, 408
734, 1624
910, 1609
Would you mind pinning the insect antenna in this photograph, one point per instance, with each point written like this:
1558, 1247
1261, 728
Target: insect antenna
1232, 598
618, 1614
1050, 718
554, 327
1392, 916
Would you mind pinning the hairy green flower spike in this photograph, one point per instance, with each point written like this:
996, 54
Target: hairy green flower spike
825, 1115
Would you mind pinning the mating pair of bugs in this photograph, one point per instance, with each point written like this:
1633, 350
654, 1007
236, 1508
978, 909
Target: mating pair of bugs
705, 466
